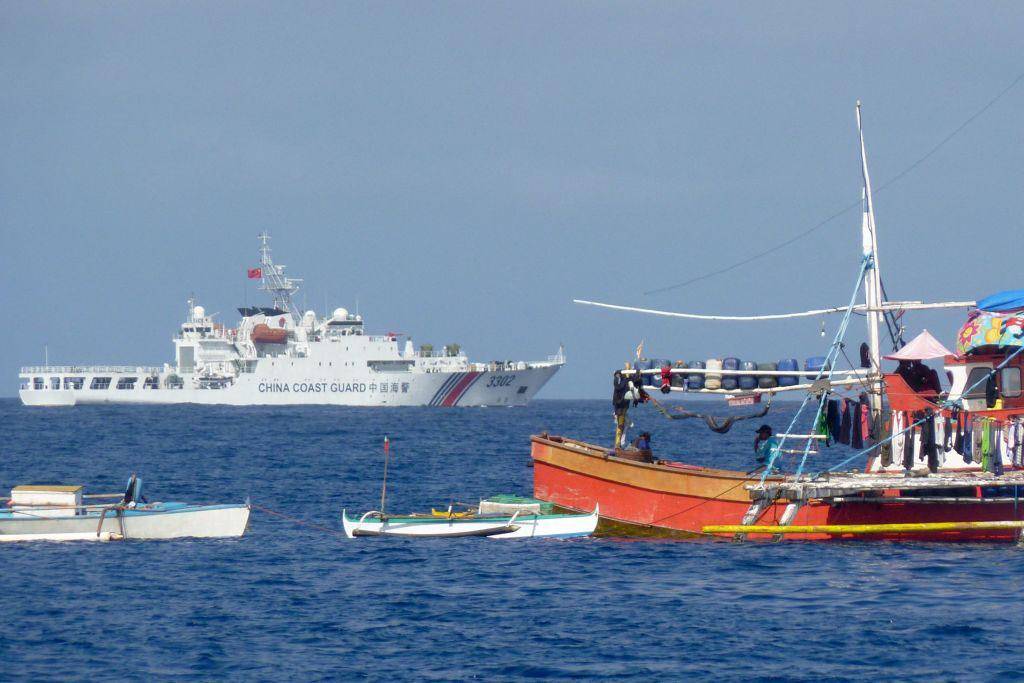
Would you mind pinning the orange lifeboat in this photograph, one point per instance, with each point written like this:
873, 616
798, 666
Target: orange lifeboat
263, 334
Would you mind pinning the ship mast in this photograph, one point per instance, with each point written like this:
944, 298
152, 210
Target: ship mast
872, 279
281, 288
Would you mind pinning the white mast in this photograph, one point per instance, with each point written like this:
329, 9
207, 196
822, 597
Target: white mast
872, 278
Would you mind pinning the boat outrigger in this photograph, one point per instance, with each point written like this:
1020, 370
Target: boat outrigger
65, 513
938, 464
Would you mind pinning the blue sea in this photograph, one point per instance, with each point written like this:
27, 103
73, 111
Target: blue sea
302, 603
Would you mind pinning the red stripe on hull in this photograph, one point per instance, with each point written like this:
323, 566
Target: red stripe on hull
456, 393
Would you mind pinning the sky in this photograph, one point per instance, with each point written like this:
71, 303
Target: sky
463, 170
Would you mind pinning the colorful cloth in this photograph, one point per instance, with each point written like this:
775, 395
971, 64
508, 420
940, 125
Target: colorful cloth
984, 329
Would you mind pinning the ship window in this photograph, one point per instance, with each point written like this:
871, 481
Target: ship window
37, 383
126, 383
55, 382
74, 382
25, 384
151, 383
100, 383
1009, 382
977, 377
522, 390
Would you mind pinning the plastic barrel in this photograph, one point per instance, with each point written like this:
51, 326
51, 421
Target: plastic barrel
695, 382
813, 366
747, 382
679, 379
713, 380
655, 379
792, 365
730, 382
767, 381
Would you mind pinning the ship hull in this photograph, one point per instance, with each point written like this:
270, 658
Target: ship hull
440, 389
679, 500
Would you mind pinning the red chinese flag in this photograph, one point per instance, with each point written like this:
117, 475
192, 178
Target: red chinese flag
255, 273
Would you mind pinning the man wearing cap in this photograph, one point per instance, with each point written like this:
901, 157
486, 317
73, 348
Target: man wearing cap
764, 444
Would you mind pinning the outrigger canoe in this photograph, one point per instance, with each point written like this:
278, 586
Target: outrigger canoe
518, 524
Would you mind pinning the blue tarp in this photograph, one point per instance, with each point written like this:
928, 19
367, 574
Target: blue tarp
1009, 300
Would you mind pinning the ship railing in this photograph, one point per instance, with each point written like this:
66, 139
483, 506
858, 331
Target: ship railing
77, 369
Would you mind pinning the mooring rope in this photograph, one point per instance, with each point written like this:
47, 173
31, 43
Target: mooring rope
296, 520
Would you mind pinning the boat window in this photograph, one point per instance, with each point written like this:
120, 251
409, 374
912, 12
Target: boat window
1009, 382
74, 382
25, 384
977, 377
55, 382
100, 383
37, 382
151, 383
126, 383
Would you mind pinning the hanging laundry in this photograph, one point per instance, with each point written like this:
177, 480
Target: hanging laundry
947, 433
986, 444
940, 438
929, 447
899, 423
821, 427
1016, 435
998, 450
846, 422
865, 419
835, 419
857, 432
977, 428
895, 444
958, 440
968, 438
908, 446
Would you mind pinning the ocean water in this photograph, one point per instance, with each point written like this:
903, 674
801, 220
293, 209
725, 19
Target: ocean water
291, 600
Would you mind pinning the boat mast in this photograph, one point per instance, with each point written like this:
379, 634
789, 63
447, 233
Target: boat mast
281, 288
872, 279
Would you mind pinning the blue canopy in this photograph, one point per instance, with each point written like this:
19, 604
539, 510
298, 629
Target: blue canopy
1009, 300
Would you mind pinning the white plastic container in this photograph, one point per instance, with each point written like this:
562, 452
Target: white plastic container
713, 380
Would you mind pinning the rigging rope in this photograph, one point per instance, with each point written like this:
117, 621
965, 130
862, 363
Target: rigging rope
899, 176
830, 357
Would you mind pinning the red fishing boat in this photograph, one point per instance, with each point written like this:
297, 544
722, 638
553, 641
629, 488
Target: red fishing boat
928, 463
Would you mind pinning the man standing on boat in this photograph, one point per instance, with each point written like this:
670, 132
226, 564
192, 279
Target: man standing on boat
625, 392
764, 444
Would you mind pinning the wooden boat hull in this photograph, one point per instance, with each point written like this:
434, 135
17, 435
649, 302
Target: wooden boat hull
679, 500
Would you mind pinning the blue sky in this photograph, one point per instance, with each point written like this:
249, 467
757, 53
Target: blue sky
466, 169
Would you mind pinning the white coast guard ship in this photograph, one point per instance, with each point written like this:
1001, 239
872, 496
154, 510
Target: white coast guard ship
278, 356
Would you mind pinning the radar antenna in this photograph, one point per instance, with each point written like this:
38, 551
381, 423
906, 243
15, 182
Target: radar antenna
281, 288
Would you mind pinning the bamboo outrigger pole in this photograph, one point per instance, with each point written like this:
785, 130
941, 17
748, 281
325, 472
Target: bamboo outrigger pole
861, 529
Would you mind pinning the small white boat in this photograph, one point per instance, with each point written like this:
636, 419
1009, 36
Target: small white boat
62, 513
517, 524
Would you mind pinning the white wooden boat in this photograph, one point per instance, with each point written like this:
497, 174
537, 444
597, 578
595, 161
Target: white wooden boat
64, 513
518, 524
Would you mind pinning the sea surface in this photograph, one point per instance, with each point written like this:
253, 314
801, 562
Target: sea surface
296, 602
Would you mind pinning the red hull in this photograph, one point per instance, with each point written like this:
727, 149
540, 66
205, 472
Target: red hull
674, 498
